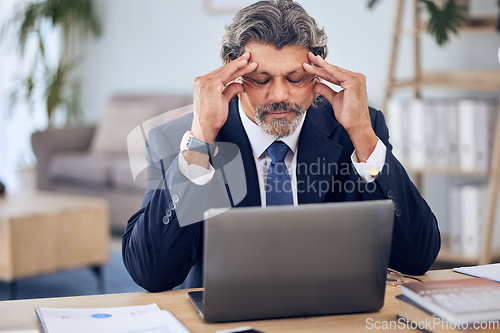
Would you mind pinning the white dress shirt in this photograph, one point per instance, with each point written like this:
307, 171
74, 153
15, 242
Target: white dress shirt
260, 141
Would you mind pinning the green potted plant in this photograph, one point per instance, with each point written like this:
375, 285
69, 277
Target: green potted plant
60, 88
445, 17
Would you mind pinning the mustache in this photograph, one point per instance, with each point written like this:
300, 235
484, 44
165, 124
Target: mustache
281, 106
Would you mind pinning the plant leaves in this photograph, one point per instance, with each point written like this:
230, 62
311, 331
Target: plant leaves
372, 3
498, 18
445, 20
30, 22
73, 109
72, 16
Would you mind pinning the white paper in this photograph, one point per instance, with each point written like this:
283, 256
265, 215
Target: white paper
129, 319
491, 271
123, 311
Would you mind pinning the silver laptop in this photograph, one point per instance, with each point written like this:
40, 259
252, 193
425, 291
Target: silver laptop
284, 261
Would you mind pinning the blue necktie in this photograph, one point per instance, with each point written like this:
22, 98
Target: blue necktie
278, 186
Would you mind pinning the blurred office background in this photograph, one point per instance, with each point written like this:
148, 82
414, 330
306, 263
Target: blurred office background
160, 46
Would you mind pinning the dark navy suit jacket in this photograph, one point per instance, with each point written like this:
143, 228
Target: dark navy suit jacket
159, 254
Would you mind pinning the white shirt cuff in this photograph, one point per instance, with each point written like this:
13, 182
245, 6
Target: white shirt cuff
195, 173
376, 162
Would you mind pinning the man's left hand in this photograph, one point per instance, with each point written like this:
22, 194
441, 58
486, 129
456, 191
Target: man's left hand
350, 104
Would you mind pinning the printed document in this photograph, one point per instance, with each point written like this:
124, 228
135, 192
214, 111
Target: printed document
129, 319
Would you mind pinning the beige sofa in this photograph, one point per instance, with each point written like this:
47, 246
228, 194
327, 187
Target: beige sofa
107, 159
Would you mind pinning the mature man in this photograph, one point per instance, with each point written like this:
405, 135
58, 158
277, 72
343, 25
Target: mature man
266, 131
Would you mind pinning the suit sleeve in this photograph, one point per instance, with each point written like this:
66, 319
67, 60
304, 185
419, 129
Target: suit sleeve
416, 239
162, 240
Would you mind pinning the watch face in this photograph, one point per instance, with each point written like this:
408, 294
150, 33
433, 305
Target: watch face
185, 140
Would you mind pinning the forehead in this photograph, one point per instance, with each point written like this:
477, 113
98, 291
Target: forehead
277, 62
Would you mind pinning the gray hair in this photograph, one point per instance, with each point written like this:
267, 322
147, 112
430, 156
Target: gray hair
273, 22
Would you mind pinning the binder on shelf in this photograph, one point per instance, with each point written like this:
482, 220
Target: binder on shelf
466, 78
416, 131
452, 133
482, 134
396, 109
466, 113
468, 204
431, 128
493, 114
455, 221
448, 133
473, 218
441, 118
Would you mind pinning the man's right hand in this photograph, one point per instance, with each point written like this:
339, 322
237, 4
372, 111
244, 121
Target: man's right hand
212, 94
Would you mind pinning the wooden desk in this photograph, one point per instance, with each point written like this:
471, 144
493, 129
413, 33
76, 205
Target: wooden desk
20, 315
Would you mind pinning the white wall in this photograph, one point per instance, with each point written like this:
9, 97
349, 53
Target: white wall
162, 45
158, 45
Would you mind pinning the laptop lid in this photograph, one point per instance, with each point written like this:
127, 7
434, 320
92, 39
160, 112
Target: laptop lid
285, 261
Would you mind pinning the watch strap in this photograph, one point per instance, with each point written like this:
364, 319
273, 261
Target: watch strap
189, 142
201, 146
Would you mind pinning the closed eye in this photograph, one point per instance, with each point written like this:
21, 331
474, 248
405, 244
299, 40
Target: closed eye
301, 81
254, 81
262, 82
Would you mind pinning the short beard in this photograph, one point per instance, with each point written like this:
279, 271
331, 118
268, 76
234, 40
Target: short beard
279, 128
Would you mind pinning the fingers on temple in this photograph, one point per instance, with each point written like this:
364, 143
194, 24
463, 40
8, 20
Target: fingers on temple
237, 68
325, 91
244, 70
232, 90
322, 73
335, 72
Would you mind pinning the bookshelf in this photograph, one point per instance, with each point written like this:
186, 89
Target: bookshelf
462, 80
477, 80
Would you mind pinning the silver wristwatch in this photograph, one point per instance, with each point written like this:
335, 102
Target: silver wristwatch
189, 142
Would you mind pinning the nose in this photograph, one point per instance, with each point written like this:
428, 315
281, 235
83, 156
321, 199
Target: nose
278, 91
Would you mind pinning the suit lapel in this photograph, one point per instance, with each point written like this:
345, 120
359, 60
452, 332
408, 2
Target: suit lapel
234, 132
317, 156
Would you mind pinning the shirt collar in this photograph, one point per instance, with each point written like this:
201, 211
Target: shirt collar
260, 140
